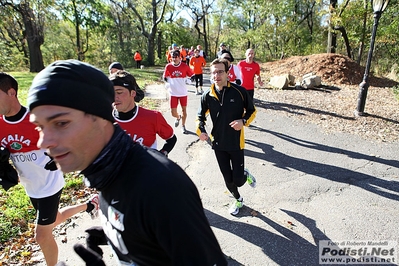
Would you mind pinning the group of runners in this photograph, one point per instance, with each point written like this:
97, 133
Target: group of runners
135, 180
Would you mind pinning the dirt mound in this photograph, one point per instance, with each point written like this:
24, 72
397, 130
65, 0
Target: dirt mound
335, 69
332, 106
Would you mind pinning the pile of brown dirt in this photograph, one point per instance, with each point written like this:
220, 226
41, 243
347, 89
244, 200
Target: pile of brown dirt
332, 106
333, 69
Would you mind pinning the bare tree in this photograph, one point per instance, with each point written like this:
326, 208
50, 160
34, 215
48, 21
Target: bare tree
199, 12
32, 33
85, 15
149, 29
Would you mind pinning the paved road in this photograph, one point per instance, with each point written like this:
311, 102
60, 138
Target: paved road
311, 186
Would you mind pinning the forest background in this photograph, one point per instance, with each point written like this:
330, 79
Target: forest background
35, 33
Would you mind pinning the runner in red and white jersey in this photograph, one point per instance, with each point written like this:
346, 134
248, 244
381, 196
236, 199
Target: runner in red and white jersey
141, 124
37, 172
234, 73
176, 74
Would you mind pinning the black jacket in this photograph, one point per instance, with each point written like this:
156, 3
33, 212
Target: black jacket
232, 103
151, 210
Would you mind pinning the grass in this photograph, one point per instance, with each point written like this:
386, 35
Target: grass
16, 211
396, 92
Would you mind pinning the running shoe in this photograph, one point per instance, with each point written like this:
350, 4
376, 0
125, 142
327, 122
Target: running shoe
93, 204
184, 130
177, 121
235, 207
250, 178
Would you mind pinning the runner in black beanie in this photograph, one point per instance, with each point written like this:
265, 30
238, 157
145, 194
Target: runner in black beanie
73, 84
150, 209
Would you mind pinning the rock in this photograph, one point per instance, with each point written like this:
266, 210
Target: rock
309, 82
282, 82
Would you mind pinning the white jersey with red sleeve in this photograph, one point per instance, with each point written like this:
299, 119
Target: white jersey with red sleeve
176, 76
234, 73
20, 138
145, 125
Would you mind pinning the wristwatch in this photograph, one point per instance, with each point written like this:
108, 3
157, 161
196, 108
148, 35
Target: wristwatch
244, 121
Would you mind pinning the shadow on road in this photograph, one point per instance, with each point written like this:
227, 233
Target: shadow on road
286, 249
385, 188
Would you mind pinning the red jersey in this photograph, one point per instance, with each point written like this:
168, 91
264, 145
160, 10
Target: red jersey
197, 63
145, 125
248, 72
20, 138
177, 76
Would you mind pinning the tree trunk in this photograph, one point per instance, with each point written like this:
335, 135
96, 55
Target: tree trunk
159, 45
151, 49
205, 34
332, 36
345, 36
34, 38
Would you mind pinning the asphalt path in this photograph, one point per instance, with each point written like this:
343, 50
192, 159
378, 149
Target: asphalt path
311, 186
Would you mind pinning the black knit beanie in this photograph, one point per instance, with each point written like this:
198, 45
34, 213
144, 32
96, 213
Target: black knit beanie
73, 84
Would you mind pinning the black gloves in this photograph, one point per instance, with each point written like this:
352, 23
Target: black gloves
164, 152
4, 155
8, 175
92, 255
238, 81
50, 165
165, 79
96, 237
89, 256
192, 78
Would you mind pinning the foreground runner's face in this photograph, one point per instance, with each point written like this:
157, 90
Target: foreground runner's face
72, 137
219, 75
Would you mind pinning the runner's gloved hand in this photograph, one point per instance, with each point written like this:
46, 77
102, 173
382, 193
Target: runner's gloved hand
192, 78
50, 165
89, 256
164, 152
96, 237
8, 175
165, 79
238, 81
4, 155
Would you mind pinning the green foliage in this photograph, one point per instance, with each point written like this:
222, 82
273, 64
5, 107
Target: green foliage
24, 81
15, 212
73, 180
118, 28
396, 91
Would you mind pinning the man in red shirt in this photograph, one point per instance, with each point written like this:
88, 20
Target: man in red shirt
249, 70
141, 124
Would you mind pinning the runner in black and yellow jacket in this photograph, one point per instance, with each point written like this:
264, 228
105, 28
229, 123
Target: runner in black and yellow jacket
230, 109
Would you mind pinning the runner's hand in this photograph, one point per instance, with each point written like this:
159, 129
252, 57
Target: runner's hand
50, 165
89, 256
203, 136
